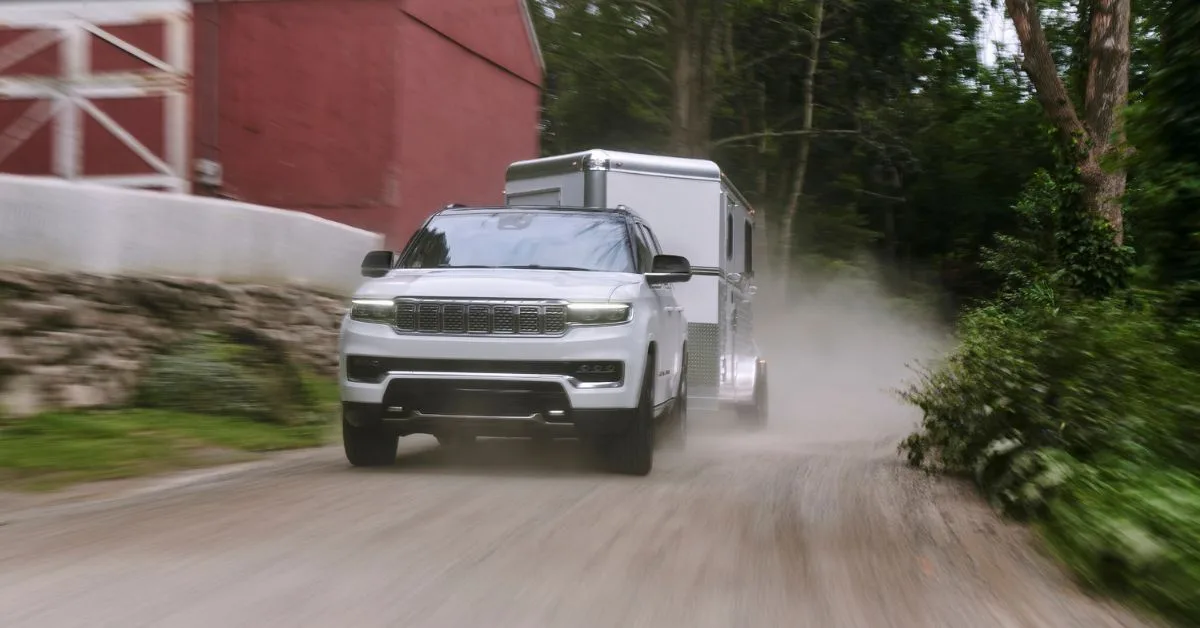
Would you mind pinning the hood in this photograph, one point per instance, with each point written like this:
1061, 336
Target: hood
499, 283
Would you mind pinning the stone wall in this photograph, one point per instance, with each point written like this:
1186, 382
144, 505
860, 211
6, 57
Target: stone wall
80, 341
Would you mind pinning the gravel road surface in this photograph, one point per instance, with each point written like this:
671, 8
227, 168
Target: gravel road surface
753, 530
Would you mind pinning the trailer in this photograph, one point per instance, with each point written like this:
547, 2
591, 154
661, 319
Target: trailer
698, 213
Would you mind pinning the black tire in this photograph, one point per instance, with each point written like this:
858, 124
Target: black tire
632, 453
755, 414
369, 447
676, 426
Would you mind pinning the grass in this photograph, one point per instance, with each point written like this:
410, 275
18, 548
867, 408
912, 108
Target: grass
58, 449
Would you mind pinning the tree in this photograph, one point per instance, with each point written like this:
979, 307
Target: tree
1098, 135
696, 29
806, 128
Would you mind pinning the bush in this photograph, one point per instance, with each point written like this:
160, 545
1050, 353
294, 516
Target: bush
1085, 416
247, 376
1135, 530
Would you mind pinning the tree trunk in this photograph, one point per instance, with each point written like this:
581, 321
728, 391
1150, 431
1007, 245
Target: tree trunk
1100, 133
787, 226
1107, 92
696, 31
682, 75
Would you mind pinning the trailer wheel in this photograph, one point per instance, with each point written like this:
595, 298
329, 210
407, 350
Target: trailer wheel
755, 414
632, 453
369, 446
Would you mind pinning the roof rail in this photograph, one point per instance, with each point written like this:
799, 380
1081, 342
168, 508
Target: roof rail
453, 206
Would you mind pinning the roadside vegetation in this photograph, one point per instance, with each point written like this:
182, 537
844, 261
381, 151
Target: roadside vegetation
207, 400
1052, 191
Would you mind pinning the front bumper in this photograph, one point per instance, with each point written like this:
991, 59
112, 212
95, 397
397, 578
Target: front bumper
490, 385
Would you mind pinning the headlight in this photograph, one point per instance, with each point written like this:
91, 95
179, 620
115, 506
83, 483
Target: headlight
598, 313
373, 311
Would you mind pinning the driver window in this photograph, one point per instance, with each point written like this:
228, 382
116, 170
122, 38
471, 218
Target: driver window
650, 239
645, 255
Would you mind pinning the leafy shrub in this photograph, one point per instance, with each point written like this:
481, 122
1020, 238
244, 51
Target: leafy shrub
1135, 530
245, 376
1089, 379
1085, 416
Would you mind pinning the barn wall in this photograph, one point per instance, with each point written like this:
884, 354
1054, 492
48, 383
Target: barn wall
305, 103
372, 113
103, 153
493, 29
464, 120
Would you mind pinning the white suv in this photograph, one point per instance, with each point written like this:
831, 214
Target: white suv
518, 321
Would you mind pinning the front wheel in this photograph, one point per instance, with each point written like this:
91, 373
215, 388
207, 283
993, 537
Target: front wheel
369, 446
675, 434
632, 453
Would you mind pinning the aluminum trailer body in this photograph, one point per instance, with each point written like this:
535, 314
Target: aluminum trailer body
696, 212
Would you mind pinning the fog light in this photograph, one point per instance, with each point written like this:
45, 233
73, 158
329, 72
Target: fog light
598, 371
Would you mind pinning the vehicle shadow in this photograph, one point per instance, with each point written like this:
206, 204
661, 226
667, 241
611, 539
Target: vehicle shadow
502, 456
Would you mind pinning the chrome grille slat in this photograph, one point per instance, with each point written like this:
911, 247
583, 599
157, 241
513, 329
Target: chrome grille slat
406, 316
454, 319
530, 319
429, 317
480, 317
504, 320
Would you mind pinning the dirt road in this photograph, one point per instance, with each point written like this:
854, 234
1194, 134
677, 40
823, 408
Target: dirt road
812, 523
741, 530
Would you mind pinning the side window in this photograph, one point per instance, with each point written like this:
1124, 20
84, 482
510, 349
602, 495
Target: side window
645, 255
749, 252
728, 234
651, 239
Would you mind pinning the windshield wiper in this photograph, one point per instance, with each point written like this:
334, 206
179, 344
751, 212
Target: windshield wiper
466, 266
540, 267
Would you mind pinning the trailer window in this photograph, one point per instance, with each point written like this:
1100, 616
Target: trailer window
749, 252
729, 236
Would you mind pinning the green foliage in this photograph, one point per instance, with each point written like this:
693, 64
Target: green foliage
1085, 416
53, 450
1133, 529
1058, 244
1165, 128
251, 377
1072, 401
930, 148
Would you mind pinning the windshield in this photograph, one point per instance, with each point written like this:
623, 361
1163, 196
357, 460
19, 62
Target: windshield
548, 239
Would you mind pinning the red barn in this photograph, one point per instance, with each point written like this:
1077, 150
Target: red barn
372, 113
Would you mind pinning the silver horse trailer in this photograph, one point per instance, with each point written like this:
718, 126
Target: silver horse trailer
695, 211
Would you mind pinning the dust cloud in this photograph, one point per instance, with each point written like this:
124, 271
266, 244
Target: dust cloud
837, 355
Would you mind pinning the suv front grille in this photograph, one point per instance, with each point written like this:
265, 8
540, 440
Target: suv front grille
439, 316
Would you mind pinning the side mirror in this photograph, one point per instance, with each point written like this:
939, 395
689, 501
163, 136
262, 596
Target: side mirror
377, 263
669, 269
